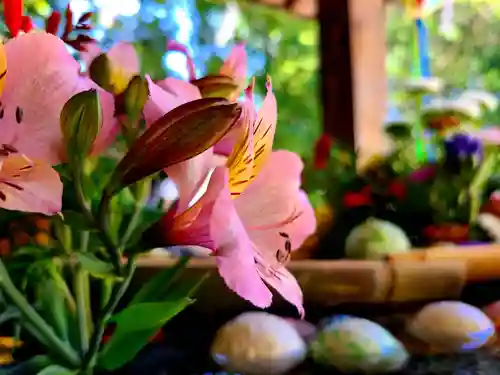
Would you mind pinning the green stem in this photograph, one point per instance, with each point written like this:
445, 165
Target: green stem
106, 290
63, 235
107, 312
80, 278
134, 221
38, 324
82, 292
141, 192
102, 225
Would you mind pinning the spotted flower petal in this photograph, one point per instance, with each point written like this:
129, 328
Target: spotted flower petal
274, 203
250, 154
283, 282
29, 186
37, 86
3, 67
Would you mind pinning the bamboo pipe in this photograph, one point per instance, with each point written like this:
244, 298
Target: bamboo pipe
333, 282
482, 261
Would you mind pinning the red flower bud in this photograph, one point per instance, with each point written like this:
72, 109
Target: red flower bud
27, 24
353, 200
448, 232
52, 23
13, 15
322, 151
68, 27
397, 189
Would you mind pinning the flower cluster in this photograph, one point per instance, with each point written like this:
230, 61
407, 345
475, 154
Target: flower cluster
436, 181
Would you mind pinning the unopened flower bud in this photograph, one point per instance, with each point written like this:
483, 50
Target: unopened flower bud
135, 96
179, 135
81, 119
100, 72
217, 87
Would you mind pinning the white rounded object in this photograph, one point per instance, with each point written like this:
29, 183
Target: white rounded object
375, 239
452, 325
353, 344
258, 343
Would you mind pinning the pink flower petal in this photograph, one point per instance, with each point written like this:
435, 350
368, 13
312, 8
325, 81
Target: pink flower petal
274, 203
123, 56
165, 96
190, 175
236, 65
226, 145
29, 186
37, 86
162, 99
193, 226
184, 91
235, 251
92, 50
284, 283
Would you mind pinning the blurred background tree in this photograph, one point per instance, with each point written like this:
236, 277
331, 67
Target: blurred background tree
464, 53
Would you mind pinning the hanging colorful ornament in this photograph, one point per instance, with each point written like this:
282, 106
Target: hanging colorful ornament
420, 68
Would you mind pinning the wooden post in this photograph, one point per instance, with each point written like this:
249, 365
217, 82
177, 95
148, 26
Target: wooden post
354, 84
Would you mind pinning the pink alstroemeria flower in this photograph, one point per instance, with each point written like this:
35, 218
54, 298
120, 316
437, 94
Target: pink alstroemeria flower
37, 85
252, 214
164, 96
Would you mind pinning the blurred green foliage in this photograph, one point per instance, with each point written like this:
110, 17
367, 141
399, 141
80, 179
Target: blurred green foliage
290, 47
466, 55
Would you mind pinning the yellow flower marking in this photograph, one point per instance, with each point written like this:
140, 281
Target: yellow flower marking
119, 79
3, 67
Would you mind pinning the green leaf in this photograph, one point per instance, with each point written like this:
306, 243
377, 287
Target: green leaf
149, 217
157, 287
9, 313
96, 267
32, 366
76, 220
186, 288
135, 326
30, 250
53, 306
56, 370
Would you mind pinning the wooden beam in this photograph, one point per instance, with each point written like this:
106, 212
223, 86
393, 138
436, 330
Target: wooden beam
336, 73
354, 87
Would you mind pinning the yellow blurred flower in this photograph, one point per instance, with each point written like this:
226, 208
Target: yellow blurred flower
373, 163
345, 158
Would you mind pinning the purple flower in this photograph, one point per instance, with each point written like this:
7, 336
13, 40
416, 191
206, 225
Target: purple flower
463, 146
